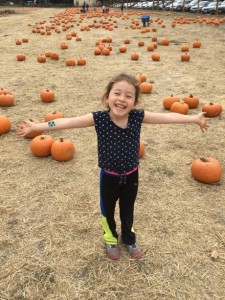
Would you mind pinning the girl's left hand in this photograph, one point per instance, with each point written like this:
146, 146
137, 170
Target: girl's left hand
202, 121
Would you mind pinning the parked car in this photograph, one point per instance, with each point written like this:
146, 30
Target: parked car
209, 9
221, 8
180, 5
188, 6
197, 7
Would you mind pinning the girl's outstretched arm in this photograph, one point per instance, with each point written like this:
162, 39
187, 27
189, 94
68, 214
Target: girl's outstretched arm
26, 127
175, 118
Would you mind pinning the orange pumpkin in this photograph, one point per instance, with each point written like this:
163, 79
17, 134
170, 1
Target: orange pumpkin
141, 149
81, 61
122, 49
70, 62
47, 96
206, 170
168, 101
41, 145
62, 150
192, 101
41, 59
155, 57
212, 109
21, 57
5, 91
185, 56
179, 107
165, 42
151, 47
126, 41
6, 100
5, 124
134, 56
53, 115
184, 48
145, 87
141, 77
196, 44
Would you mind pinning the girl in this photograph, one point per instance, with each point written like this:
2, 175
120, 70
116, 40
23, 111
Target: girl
118, 133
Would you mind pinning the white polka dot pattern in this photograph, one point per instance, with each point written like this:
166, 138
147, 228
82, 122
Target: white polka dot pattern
118, 148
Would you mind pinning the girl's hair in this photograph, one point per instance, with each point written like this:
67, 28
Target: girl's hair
122, 77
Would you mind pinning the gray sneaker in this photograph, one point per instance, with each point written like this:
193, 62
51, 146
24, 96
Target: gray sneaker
112, 251
134, 251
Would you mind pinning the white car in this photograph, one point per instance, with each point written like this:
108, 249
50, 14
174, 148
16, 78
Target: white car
202, 4
210, 8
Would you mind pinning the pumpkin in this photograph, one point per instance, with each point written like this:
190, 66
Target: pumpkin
155, 57
212, 109
196, 44
48, 53
145, 87
179, 107
33, 134
151, 47
141, 43
63, 45
18, 42
53, 115
141, 149
105, 51
81, 61
122, 49
6, 100
126, 41
21, 57
134, 56
97, 51
5, 125
54, 55
41, 59
41, 145
70, 62
25, 40
192, 101
62, 150
206, 170
47, 96
185, 56
141, 77
184, 48
165, 42
168, 101
5, 91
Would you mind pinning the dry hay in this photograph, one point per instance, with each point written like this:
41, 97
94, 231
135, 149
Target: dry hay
51, 244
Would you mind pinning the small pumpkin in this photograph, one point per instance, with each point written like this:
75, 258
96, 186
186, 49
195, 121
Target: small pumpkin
165, 42
180, 108
5, 124
145, 87
6, 100
155, 57
21, 57
53, 115
41, 58
126, 41
196, 44
141, 77
192, 101
212, 109
150, 47
70, 62
105, 51
185, 56
81, 61
97, 51
5, 91
122, 49
168, 101
41, 145
184, 48
47, 96
206, 170
134, 56
62, 150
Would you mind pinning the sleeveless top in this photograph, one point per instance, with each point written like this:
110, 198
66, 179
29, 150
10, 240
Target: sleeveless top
118, 148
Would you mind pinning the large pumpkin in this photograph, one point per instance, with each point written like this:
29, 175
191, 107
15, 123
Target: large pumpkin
62, 150
206, 170
192, 101
41, 145
5, 125
212, 109
179, 107
145, 87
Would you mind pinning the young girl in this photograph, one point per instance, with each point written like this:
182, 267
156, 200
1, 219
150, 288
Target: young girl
118, 133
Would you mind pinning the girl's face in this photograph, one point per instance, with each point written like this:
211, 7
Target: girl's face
121, 99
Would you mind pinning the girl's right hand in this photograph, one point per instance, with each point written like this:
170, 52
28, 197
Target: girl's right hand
25, 127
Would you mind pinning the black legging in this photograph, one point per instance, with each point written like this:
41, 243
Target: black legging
112, 188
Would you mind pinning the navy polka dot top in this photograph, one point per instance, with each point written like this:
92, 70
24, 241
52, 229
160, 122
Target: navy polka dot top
118, 148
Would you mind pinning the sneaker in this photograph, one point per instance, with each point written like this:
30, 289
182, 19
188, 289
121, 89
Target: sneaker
112, 251
134, 251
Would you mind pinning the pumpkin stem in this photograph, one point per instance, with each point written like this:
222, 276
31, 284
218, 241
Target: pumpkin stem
203, 159
61, 139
